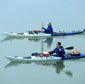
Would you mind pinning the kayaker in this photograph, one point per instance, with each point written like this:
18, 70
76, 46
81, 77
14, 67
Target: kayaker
49, 29
59, 50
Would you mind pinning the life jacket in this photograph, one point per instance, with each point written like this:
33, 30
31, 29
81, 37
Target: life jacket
49, 30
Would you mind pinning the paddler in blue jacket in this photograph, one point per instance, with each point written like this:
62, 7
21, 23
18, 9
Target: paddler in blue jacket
59, 50
49, 29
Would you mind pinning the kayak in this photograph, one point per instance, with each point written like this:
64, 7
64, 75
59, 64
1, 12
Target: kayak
41, 34
39, 59
31, 59
26, 34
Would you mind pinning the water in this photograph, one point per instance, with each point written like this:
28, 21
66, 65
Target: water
71, 71
20, 16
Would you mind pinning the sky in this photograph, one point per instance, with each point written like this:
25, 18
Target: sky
16, 14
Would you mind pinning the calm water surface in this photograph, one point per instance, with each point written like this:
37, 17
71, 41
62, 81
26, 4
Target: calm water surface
71, 71
20, 16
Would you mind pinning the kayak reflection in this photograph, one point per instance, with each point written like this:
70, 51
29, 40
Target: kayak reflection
59, 66
10, 64
11, 38
35, 39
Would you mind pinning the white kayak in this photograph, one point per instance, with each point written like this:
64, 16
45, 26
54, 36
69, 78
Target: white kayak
32, 58
26, 34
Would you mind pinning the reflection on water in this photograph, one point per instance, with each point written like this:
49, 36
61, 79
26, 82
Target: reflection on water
11, 38
49, 41
59, 66
35, 39
15, 64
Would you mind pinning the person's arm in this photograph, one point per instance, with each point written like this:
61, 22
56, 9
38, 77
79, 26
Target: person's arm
53, 51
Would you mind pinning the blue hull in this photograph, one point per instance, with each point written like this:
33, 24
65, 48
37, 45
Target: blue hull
67, 33
74, 57
63, 58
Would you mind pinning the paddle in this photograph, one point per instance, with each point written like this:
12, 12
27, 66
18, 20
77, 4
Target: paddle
40, 54
69, 48
42, 26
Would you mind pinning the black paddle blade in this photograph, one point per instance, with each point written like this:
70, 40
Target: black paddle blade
70, 48
36, 54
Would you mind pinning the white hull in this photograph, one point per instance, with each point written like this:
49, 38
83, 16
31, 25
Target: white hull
26, 34
32, 59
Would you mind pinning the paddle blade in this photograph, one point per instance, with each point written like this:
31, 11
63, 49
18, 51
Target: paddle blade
69, 73
70, 48
36, 54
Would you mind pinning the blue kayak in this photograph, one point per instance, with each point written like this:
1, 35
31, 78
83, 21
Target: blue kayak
41, 34
39, 58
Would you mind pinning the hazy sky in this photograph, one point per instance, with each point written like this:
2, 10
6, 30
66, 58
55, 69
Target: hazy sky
24, 13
